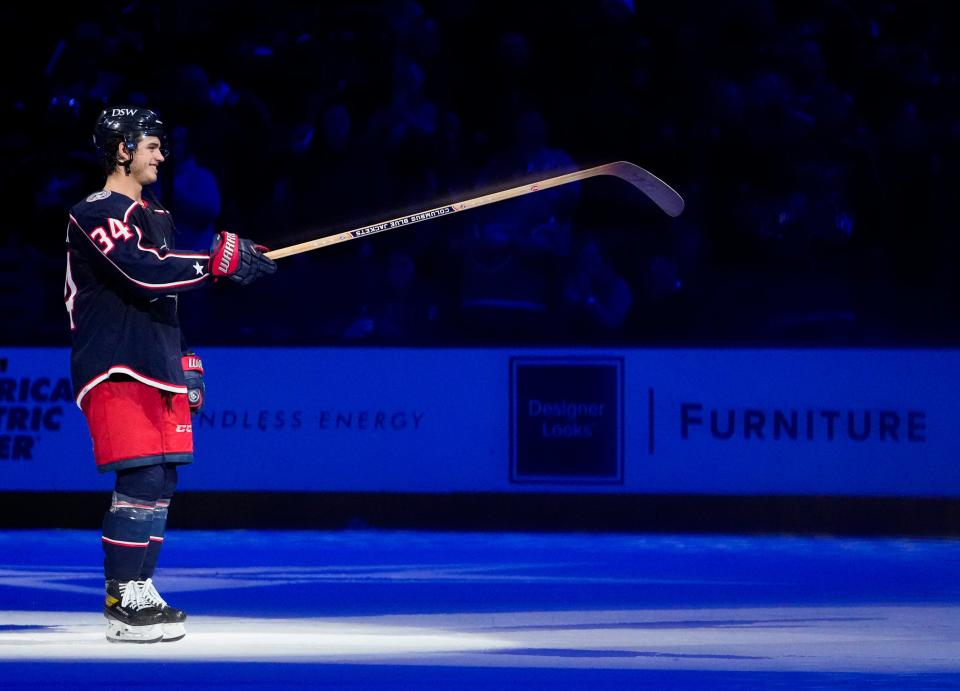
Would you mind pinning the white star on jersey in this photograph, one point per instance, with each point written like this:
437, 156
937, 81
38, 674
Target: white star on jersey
199, 267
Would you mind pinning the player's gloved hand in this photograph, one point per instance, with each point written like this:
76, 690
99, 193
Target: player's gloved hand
193, 373
238, 259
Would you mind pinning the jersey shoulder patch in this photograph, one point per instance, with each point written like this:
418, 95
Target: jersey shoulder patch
99, 206
97, 196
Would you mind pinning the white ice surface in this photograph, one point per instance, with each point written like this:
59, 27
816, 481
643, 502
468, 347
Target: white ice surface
902, 639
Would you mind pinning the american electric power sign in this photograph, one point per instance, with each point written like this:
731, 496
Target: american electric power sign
750, 422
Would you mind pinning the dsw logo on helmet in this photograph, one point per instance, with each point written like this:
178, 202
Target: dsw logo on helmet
129, 124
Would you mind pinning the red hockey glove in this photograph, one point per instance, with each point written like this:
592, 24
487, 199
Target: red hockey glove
193, 373
238, 259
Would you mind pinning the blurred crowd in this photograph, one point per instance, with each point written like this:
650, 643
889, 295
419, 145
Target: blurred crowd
813, 143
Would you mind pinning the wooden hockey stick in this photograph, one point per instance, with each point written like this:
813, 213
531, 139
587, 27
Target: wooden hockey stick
656, 189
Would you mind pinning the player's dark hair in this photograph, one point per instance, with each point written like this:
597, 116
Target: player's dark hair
109, 159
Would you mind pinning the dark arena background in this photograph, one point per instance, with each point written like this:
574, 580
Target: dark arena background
563, 440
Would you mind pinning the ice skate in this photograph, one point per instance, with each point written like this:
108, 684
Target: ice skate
131, 618
172, 618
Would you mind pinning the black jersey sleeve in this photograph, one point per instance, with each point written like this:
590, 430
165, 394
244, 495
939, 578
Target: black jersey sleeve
117, 237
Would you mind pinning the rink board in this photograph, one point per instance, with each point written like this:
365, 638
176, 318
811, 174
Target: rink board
698, 421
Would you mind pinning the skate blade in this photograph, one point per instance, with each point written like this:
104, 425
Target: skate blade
118, 632
173, 632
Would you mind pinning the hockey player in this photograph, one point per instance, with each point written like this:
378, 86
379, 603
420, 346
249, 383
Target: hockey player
132, 378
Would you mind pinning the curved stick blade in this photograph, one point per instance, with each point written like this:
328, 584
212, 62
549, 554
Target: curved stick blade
656, 189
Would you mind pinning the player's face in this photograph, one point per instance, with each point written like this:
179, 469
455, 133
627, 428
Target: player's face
146, 160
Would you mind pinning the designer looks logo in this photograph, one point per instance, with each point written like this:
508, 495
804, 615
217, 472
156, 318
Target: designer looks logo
566, 420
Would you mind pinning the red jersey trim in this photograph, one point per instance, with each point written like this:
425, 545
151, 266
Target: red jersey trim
182, 255
127, 213
123, 369
168, 255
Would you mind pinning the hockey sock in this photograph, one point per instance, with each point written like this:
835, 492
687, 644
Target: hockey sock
126, 534
157, 527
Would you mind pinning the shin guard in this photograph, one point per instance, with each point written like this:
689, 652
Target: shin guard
126, 535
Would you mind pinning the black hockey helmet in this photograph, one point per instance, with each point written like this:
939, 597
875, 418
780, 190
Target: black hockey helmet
128, 125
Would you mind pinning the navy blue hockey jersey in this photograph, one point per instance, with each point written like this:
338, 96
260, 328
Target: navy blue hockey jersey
121, 292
